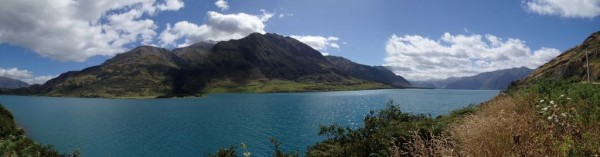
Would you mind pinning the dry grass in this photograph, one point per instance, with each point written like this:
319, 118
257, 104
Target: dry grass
507, 126
494, 129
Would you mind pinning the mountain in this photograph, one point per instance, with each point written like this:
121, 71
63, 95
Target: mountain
370, 73
497, 80
143, 71
256, 63
571, 64
435, 83
9, 83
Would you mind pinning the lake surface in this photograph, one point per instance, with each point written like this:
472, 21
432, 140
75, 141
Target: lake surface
195, 126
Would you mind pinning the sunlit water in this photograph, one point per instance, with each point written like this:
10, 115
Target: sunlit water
195, 126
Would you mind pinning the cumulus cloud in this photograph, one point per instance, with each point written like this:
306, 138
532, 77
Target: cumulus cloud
319, 43
222, 4
24, 75
218, 27
74, 30
564, 8
39, 79
15, 73
420, 58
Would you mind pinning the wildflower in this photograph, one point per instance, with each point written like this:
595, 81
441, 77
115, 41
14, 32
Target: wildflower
549, 117
562, 95
542, 101
568, 98
545, 108
554, 106
552, 102
563, 114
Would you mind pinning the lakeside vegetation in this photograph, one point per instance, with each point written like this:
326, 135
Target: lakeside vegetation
543, 118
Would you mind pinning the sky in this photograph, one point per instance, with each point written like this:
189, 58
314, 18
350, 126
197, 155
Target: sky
419, 40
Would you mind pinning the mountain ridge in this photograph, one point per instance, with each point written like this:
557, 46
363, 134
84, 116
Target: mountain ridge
369, 73
256, 63
10, 83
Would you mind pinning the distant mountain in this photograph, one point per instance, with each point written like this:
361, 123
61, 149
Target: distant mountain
570, 65
497, 80
370, 73
9, 83
435, 83
256, 63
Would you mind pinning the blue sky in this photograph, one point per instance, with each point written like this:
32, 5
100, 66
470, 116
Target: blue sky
417, 39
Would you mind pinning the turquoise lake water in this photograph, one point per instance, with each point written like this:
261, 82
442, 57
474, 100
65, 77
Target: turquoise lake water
195, 126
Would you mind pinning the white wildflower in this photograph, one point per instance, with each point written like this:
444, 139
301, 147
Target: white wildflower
554, 106
562, 95
552, 102
568, 98
545, 108
541, 101
549, 117
563, 114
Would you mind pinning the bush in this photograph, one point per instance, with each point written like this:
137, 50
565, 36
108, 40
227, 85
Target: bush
385, 133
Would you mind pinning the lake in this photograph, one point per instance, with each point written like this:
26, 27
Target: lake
195, 126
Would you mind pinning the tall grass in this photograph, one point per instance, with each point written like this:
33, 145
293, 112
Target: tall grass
547, 118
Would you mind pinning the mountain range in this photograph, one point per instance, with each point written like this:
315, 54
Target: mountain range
370, 73
494, 80
9, 83
256, 63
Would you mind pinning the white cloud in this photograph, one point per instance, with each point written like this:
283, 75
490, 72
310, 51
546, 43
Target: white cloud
39, 79
420, 58
15, 73
222, 4
564, 8
24, 75
319, 43
285, 15
75, 30
218, 27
